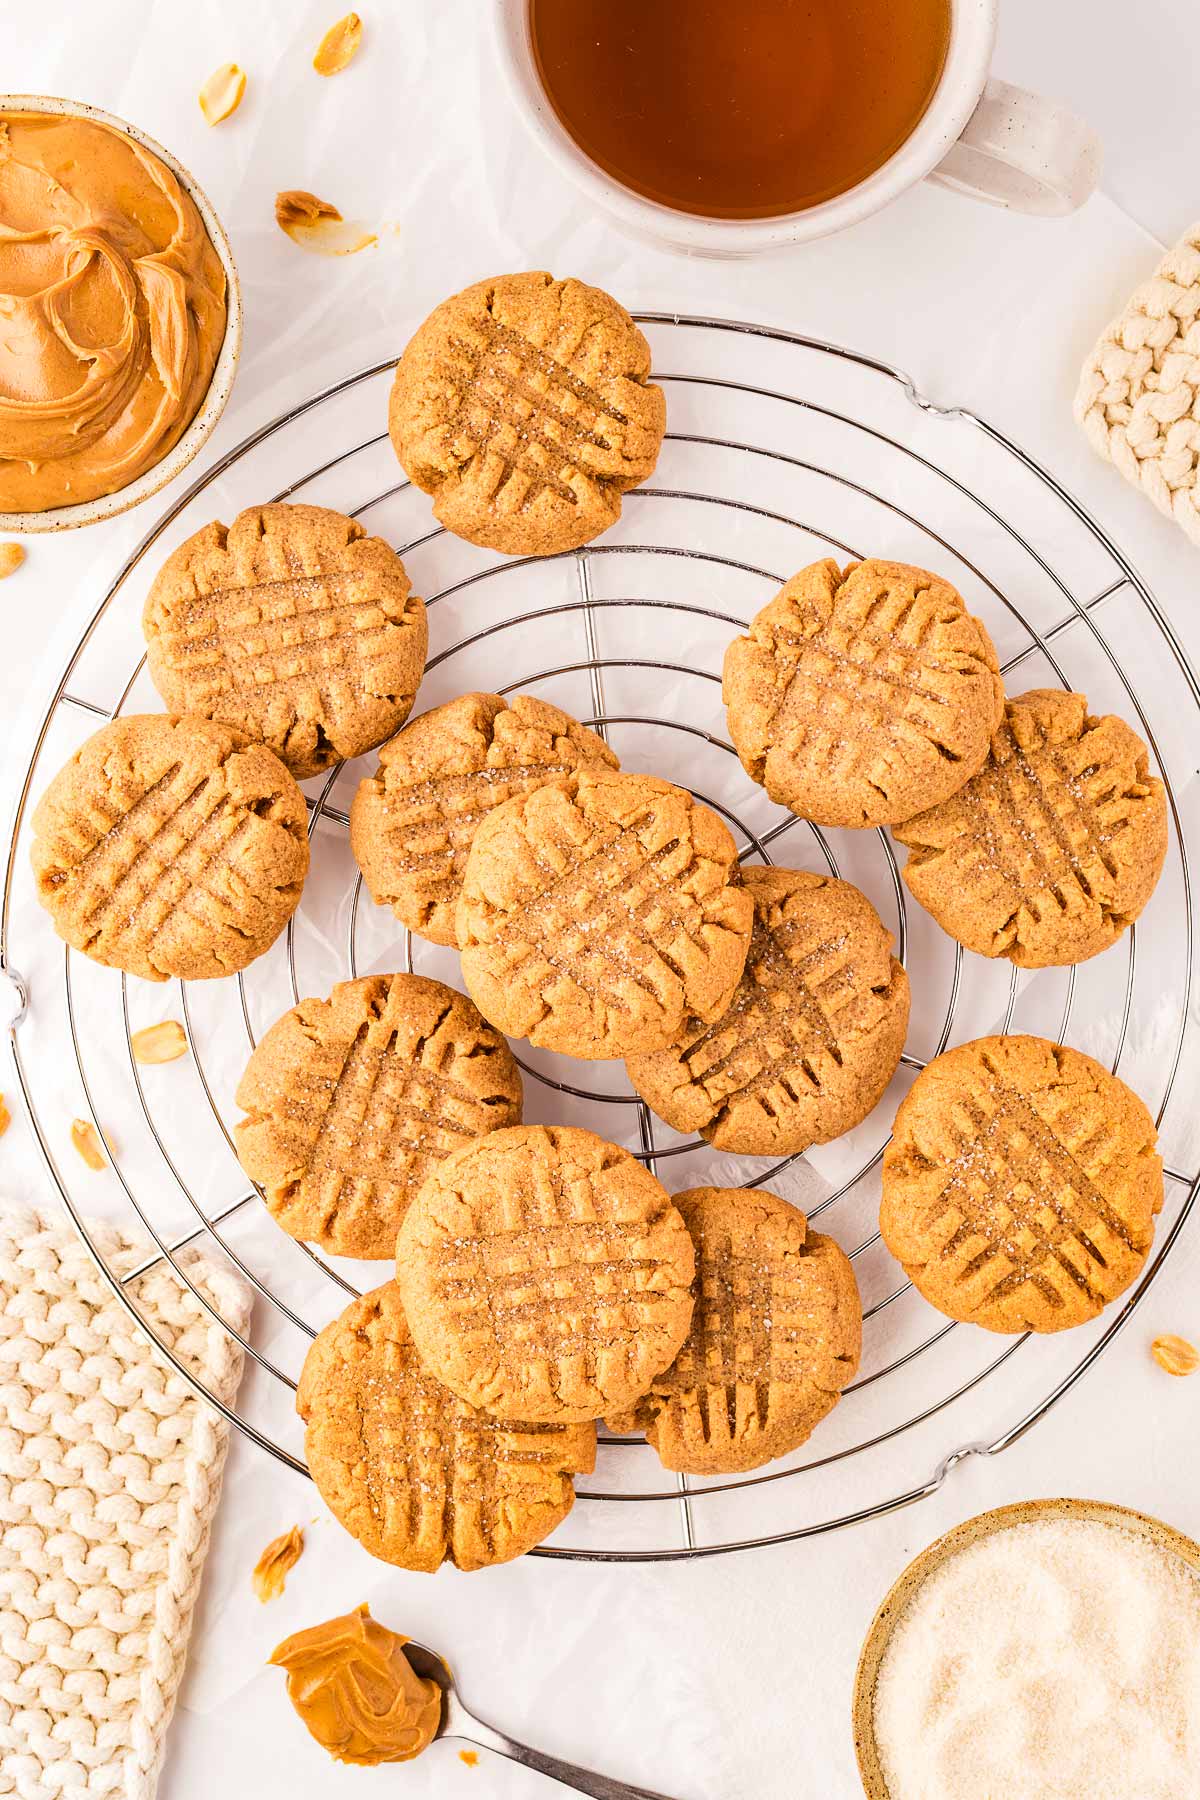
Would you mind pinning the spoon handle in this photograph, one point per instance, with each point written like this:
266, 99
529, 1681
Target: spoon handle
584, 1781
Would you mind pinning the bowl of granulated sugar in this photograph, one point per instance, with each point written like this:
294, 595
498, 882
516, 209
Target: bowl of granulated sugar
1044, 1651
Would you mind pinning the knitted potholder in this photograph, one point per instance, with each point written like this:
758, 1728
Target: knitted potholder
110, 1470
1139, 395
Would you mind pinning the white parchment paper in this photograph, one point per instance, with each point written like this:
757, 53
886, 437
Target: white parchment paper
727, 1678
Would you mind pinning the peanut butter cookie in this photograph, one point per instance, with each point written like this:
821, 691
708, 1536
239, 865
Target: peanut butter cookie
411, 823
776, 1335
524, 406
598, 912
415, 1474
171, 847
545, 1274
1054, 847
1021, 1186
352, 1100
811, 1037
293, 625
862, 696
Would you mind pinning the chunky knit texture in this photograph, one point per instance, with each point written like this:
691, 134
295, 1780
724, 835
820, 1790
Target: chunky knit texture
1139, 393
110, 1470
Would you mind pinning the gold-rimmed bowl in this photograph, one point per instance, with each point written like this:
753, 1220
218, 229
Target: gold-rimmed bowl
107, 506
910, 1581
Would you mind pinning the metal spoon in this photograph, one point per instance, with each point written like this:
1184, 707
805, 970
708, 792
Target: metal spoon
457, 1722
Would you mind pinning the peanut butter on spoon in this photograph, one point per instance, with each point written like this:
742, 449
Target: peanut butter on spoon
357, 1692
112, 310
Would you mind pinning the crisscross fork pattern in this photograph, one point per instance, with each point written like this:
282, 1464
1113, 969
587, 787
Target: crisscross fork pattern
859, 689
528, 409
1033, 821
1011, 1171
439, 1472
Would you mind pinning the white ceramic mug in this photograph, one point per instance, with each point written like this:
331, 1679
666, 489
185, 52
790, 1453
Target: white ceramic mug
985, 138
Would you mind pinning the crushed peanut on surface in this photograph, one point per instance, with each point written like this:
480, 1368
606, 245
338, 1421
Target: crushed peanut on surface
269, 1575
222, 93
11, 558
160, 1043
317, 225
1175, 1355
339, 46
296, 206
86, 1140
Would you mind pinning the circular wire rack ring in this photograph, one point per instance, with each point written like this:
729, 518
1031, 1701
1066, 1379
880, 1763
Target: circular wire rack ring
781, 448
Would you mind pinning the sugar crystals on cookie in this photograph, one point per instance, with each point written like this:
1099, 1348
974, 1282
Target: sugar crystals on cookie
812, 1035
861, 695
1021, 1184
1053, 849
293, 625
523, 405
171, 847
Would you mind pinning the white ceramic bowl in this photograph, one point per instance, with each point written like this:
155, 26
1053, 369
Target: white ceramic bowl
90, 512
908, 1582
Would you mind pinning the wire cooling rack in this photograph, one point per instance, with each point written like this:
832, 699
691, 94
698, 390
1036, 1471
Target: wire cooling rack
780, 449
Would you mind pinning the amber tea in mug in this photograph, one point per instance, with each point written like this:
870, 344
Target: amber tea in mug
739, 109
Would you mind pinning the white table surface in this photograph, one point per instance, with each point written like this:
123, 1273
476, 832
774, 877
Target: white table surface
729, 1678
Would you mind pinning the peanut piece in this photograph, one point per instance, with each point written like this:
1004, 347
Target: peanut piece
339, 46
317, 225
296, 206
222, 93
276, 1563
159, 1043
1175, 1355
86, 1140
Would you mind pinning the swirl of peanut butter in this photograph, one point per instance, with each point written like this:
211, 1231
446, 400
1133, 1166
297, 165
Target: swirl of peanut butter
357, 1692
112, 310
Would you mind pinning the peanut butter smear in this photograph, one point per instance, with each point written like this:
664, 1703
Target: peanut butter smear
357, 1692
112, 310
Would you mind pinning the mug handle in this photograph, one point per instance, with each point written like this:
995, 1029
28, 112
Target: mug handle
1022, 151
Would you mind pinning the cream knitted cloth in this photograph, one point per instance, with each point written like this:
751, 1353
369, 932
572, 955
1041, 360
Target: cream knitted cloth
110, 1470
1139, 394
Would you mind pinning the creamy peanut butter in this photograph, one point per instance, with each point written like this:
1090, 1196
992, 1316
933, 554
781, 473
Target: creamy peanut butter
357, 1692
112, 310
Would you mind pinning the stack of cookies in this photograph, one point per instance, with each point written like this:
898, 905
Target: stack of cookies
177, 844
1022, 1181
543, 1278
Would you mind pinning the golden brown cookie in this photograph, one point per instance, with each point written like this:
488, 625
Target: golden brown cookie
598, 912
411, 823
776, 1335
863, 695
524, 406
1021, 1186
293, 625
171, 847
352, 1100
1054, 847
415, 1474
545, 1274
811, 1037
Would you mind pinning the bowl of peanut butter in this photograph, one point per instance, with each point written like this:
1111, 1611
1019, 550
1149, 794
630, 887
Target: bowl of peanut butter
120, 315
